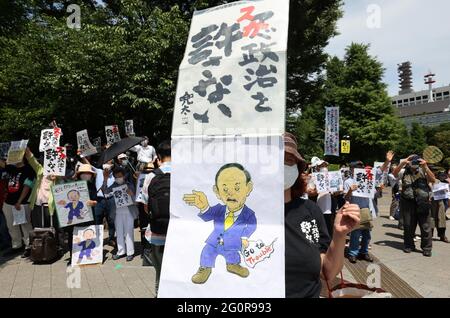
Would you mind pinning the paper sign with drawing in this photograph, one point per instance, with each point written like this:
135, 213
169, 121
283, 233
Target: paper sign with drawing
227, 224
87, 247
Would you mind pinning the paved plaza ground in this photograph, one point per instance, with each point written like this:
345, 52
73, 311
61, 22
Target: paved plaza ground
428, 277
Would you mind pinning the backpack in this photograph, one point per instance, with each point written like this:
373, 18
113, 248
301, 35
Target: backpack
158, 201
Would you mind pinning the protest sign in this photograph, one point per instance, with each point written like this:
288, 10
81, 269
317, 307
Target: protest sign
380, 176
84, 144
139, 185
232, 79
4, 147
19, 216
129, 127
49, 138
441, 191
16, 151
55, 161
71, 201
345, 146
365, 181
332, 131
121, 196
87, 245
256, 237
321, 182
112, 134
97, 143
335, 181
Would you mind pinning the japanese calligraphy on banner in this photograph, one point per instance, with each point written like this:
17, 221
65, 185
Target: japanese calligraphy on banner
332, 131
321, 182
16, 151
4, 147
232, 79
121, 196
49, 138
112, 134
129, 127
84, 144
335, 181
55, 161
365, 180
97, 143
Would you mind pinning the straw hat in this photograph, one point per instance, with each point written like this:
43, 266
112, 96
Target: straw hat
86, 168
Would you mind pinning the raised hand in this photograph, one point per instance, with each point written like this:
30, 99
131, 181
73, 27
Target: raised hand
347, 218
389, 155
197, 199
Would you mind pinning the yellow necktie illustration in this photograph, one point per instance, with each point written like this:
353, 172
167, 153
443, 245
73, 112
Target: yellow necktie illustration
229, 220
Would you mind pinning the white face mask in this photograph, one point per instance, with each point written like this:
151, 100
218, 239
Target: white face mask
119, 180
324, 169
107, 166
86, 177
290, 176
144, 143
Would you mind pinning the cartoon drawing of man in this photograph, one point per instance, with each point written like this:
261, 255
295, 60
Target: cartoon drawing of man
75, 206
87, 245
234, 222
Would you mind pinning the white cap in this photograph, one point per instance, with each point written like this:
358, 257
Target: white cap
316, 162
122, 156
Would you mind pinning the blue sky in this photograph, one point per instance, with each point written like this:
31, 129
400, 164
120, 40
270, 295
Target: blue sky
414, 30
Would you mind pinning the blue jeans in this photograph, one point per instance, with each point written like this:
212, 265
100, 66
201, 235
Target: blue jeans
104, 209
5, 239
354, 248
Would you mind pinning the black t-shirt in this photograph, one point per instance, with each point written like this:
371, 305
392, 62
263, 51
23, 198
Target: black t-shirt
16, 180
306, 237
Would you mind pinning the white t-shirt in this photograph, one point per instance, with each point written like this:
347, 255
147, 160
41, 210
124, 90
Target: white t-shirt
144, 154
165, 167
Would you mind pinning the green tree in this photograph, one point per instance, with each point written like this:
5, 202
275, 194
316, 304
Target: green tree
366, 114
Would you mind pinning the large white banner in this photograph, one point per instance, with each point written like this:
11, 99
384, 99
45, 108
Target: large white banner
227, 207
332, 131
232, 79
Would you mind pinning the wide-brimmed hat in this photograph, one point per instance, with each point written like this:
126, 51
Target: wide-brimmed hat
122, 156
290, 146
86, 168
315, 161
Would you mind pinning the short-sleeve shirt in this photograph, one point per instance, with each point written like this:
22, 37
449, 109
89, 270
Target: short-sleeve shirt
17, 178
306, 237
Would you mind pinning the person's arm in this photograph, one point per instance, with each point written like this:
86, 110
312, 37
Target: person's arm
135, 148
401, 166
33, 161
389, 157
23, 195
347, 218
428, 173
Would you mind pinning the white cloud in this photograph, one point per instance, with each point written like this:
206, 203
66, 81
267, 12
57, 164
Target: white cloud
414, 30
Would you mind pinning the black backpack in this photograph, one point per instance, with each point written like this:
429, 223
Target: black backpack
158, 201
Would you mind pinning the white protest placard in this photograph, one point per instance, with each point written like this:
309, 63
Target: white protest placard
71, 200
332, 131
112, 134
16, 151
365, 180
97, 143
84, 144
195, 237
4, 147
441, 191
121, 196
232, 79
380, 176
139, 186
19, 216
87, 245
129, 127
55, 161
335, 181
321, 182
49, 138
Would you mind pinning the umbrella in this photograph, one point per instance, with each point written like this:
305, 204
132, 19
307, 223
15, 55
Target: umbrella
117, 148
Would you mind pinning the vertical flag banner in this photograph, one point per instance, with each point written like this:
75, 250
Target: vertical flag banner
332, 131
232, 79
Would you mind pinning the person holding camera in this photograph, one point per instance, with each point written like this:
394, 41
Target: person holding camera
415, 204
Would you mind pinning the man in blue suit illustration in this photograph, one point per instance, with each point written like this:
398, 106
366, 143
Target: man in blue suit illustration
234, 222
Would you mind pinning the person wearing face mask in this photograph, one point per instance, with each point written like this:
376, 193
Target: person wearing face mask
326, 201
309, 251
123, 216
415, 205
122, 161
145, 153
103, 209
20, 182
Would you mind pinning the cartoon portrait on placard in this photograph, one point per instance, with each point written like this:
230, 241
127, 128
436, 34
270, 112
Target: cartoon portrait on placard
87, 246
72, 203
